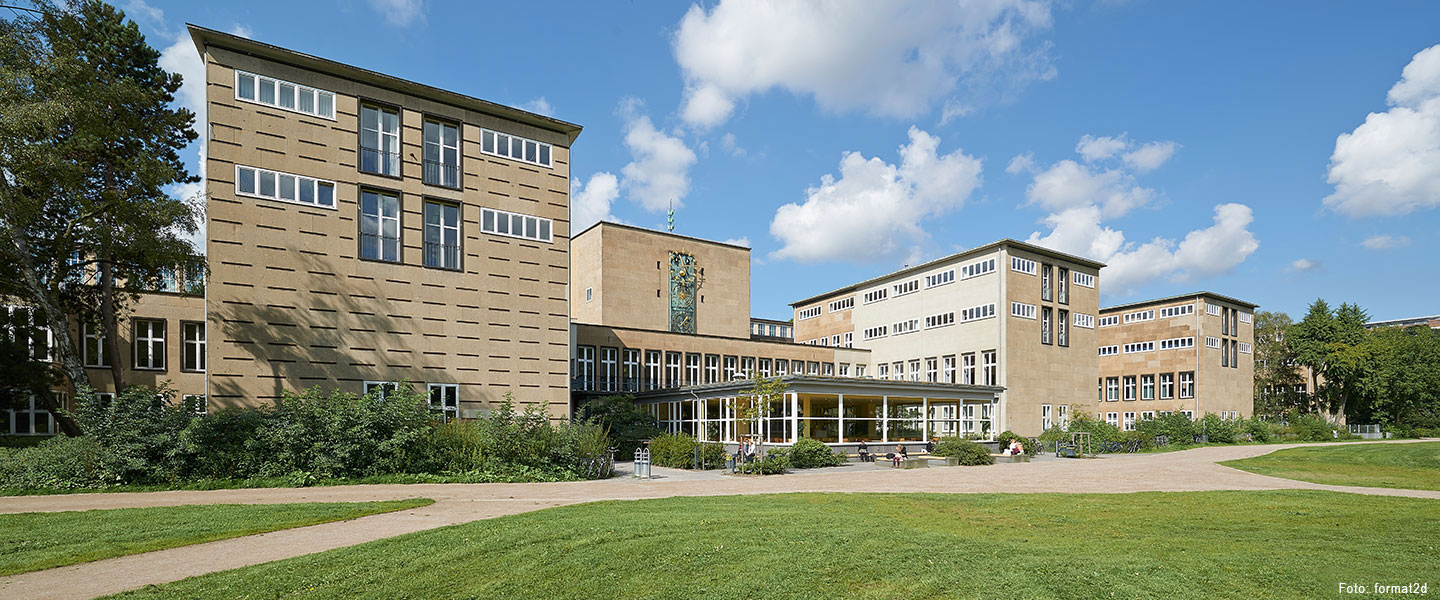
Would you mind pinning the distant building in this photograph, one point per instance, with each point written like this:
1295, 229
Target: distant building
1192, 354
771, 330
1432, 322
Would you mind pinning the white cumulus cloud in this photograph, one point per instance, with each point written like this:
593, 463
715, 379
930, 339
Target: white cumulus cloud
1068, 184
1150, 156
887, 58
659, 172
1302, 265
1390, 164
874, 208
1093, 148
539, 106
591, 202
1382, 242
740, 241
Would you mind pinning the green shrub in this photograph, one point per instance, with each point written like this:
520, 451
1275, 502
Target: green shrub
775, 462
1008, 436
810, 454
56, 463
1219, 430
629, 424
969, 453
1426, 432
341, 434
1101, 433
674, 450
1310, 428
1260, 430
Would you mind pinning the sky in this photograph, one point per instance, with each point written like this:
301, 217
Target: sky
1277, 152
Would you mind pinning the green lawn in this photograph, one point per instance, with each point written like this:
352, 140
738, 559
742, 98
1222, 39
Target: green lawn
1414, 466
1273, 544
38, 540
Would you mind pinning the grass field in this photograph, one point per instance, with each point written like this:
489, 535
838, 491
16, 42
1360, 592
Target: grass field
1273, 544
1413, 466
38, 540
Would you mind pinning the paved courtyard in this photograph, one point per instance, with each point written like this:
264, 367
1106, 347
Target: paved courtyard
1190, 470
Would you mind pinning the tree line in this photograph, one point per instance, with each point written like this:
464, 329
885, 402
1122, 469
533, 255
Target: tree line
1329, 363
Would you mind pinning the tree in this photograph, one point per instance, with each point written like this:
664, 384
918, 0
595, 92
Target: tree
1276, 373
1310, 339
755, 405
1401, 385
89, 143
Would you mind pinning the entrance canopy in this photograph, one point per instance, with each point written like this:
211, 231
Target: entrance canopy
829, 409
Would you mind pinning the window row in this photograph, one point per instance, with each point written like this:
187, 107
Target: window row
907, 326
1177, 343
285, 187
877, 295
1054, 330
443, 398
283, 94
1111, 350
1147, 387
978, 268
1109, 320
761, 329
907, 287
1139, 316
515, 147
1084, 320
876, 332
147, 345
1230, 354
810, 313
1062, 414
632, 369
1022, 265
942, 369
940, 320
976, 313
941, 278
1084, 279
1022, 310
1135, 347
842, 304
1177, 311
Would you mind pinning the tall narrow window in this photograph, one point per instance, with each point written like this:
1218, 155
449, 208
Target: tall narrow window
192, 335
932, 370
1062, 285
949, 369
442, 235
94, 349
1062, 327
1147, 387
992, 368
442, 154
149, 344
606, 380
379, 226
1224, 321
1187, 384
380, 140
1112, 389
1167, 386
1047, 319
967, 371
585, 367
1047, 279
1129, 388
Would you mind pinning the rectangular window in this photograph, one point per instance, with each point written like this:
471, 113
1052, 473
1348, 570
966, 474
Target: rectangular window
712, 368
940, 278
1224, 321
149, 344
940, 320
842, 304
693, 372
192, 335
380, 140
1234, 355
1046, 277
1084, 279
292, 96
584, 368
1129, 421
1112, 389
653, 374
732, 366
809, 313
444, 400
1139, 316
992, 373
1046, 318
915, 370
1212, 342
1113, 419
94, 349
1062, 328
379, 226
909, 326
949, 369
1147, 387
1022, 265
1212, 309
499, 222
1129, 388
1044, 417
812, 368
1177, 311
977, 269
1244, 348
907, 287
1062, 285
442, 154
1022, 310
607, 380
673, 369
1224, 353
877, 332
976, 313
1187, 384
1110, 321
1167, 386
932, 370
1177, 343
1109, 350
284, 187
1245, 317
630, 365
827, 369
442, 236
882, 371
877, 295
1147, 415
1136, 347
849, 339
1084, 320
515, 147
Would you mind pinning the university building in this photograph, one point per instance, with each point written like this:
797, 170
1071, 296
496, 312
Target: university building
1192, 354
1009, 314
665, 317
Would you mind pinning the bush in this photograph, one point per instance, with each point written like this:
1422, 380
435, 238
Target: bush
341, 434
775, 462
810, 454
628, 424
677, 450
1426, 432
1311, 428
969, 453
1008, 436
1219, 430
1260, 430
1101, 433
56, 463
137, 435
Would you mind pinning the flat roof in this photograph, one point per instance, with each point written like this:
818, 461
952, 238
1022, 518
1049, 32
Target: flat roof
657, 232
1406, 321
747, 337
958, 255
203, 36
771, 321
1200, 294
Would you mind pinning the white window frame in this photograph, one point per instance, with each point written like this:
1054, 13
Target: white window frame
809, 313
906, 287
1022, 265
1084, 320
938, 279
589, 294
189, 345
491, 139
991, 367
383, 138
1186, 386
978, 268
1083, 279
544, 228
947, 369
1109, 320
1110, 350
299, 89
842, 304
1022, 310
386, 387
147, 343
441, 148
449, 407
978, 313
381, 220
876, 295
876, 332
443, 228
98, 338
245, 173
940, 320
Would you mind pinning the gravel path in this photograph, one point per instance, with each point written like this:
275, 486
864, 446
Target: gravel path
1190, 470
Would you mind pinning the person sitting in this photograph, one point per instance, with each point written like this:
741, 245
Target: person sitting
930, 445
1016, 448
899, 455
864, 451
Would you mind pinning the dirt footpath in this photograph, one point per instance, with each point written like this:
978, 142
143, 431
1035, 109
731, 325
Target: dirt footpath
1189, 470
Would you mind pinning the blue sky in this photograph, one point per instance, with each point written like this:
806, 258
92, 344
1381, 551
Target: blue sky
1189, 145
